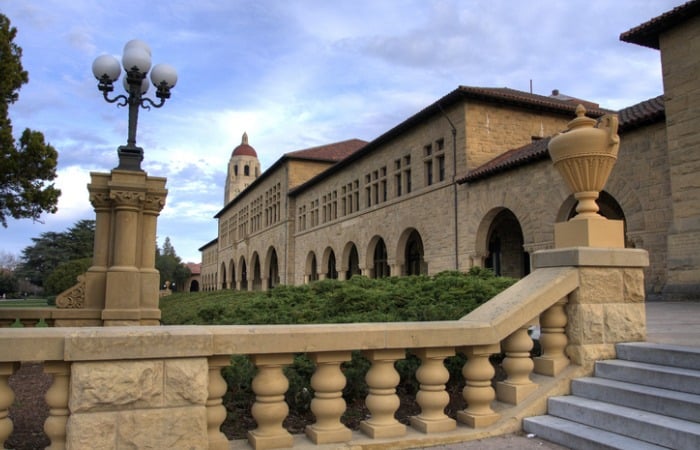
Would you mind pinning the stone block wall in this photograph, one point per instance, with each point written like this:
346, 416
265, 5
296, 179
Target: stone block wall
138, 404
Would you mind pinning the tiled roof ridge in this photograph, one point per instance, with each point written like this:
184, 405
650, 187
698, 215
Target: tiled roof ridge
329, 152
635, 116
647, 34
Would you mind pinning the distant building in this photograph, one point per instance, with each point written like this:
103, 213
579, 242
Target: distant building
194, 283
467, 182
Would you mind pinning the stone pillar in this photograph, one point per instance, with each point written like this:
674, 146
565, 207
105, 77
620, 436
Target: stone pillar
123, 281
123, 291
96, 276
478, 391
7, 397
382, 401
518, 365
608, 306
432, 397
328, 404
150, 277
57, 400
270, 409
553, 340
216, 412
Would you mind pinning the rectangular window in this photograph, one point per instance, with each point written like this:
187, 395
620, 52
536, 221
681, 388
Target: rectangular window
441, 167
397, 184
428, 172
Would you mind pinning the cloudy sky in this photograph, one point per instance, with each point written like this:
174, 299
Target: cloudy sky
294, 74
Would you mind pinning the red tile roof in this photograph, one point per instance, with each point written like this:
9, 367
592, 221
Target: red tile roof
647, 34
330, 152
635, 116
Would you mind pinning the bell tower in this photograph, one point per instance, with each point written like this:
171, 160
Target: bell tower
243, 169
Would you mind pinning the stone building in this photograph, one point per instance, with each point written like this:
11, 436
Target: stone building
467, 182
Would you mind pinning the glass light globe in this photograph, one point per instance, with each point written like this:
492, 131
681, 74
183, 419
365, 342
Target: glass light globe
164, 73
144, 85
106, 65
137, 43
137, 58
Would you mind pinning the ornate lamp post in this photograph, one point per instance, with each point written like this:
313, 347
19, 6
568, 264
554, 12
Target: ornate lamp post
136, 61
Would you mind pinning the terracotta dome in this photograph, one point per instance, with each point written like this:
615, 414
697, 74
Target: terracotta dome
244, 149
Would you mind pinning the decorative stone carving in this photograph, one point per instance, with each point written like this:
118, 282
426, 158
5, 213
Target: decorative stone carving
154, 203
73, 297
127, 198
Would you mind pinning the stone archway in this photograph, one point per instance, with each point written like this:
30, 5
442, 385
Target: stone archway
503, 244
380, 259
223, 275
311, 268
411, 254
273, 271
232, 274
243, 274
256, 281
351, 261
330, 264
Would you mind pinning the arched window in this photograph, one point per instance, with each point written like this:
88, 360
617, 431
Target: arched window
235, 170
246, 170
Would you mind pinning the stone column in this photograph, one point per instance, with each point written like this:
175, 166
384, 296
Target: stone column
270, 409
7, 397
96, 277
382, 401
123, 290
216, 412
150, 277
478, 391
328, 404
432, 397
57, 400
518, 365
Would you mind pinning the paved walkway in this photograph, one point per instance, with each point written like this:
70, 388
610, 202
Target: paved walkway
667, 323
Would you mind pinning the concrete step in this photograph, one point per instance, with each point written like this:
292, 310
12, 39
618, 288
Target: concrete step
578, 436
646, 426
680, 405
664, 377
662, 354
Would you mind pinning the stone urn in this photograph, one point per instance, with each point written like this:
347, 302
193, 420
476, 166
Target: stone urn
585, 155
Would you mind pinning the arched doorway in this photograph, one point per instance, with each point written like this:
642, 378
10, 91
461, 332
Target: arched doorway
194, 286
331, 268
414, 262
311, 267
257, 277
244, 275
273, 272
505, 246
353, 263
380, 263
223, 276
232, 274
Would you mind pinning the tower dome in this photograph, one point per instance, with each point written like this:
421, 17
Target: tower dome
243, 169
244, 149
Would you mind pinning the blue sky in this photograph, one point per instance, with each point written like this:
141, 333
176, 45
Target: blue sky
293, 75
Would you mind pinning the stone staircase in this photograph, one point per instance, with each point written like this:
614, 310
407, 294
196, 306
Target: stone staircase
649, 398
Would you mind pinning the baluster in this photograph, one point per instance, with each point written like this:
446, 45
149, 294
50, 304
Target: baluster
432, 397
270, 409
518, 365
382, 401
478, 392
328, 405
216, 412
57, 401
553, 340
7, 397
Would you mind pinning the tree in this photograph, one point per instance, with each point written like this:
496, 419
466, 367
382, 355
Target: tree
27, 169
66, 275
170, 266
51, 249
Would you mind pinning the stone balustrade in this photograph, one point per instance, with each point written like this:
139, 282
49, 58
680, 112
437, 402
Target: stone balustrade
161, 387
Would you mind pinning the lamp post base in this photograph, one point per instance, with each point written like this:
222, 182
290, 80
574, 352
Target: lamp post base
130, 158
